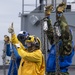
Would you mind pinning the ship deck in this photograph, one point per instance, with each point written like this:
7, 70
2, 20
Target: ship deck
71, 70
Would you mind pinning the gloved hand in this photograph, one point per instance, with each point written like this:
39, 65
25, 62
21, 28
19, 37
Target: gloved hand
48, 10
11, 29
6, 39
61, 7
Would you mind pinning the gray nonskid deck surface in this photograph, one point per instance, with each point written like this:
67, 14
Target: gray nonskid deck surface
2, 73
71, 71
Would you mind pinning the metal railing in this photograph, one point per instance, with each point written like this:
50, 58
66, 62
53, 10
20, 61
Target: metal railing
27, 7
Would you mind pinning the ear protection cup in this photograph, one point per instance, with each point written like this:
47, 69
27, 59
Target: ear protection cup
36, 43
22, 36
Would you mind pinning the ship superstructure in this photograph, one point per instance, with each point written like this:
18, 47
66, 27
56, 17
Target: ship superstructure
31, 21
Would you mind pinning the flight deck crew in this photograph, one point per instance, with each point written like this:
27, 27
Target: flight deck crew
32, 59
65, 42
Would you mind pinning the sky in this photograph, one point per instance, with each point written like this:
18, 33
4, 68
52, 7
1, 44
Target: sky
70, 0
9, 12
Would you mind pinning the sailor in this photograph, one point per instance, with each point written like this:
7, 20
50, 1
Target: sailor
32, 60
65, 42
12, 52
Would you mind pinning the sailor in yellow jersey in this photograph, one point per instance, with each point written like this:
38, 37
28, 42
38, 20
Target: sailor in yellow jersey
32, 60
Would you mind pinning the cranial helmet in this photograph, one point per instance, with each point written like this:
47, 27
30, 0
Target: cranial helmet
22, 36
35, 41
30, 39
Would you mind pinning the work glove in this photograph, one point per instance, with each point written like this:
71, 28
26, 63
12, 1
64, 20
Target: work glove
45, 25
61, 7
11, 29
7, 62
6, 39
48, 10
